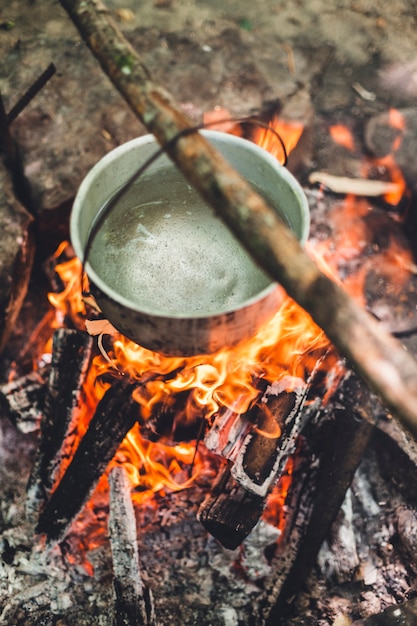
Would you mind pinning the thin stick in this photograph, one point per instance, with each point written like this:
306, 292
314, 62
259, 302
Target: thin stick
133, 600
379, 358
33, 90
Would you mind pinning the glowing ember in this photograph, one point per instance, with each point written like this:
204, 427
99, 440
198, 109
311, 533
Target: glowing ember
385, 166
388, 167
342, 136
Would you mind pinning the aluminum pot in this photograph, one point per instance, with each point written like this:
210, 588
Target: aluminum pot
165, 271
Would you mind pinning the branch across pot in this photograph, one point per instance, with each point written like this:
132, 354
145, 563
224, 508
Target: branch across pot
165, 270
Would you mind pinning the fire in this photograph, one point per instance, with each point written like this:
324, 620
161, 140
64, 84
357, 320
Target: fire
290, 132
205, 384
220, 119
342, 135
191, 390
386, 165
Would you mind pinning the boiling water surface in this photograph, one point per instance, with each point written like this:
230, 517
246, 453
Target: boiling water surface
162, 248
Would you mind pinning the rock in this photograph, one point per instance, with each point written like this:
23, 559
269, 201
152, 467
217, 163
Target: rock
16, 255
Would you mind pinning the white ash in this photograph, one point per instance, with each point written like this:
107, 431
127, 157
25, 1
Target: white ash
252, 557
338, 555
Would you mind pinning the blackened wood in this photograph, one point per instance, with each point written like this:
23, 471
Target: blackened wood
71, 353
23, 401
270, 432
174, 419
133, 600
115, 415
333, 448
230, 512
396, 449
279, 419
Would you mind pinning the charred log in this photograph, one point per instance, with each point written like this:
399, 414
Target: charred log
230, 512
265, 450
333, 445
257, 445
133, 600
23, 401
115, 415
71, 354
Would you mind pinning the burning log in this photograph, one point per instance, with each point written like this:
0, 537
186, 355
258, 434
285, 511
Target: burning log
331, 451
230, 512
133, 601
71, 354
379, 358
115, 415
238, 497
266, 449
23, 400
258, 443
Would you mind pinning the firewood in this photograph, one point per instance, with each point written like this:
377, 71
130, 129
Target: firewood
265, 450
238, 498
169, 420
71, 354
133, 600
332, 447
115, 415
379, 358
230, 512
23, 401
357, 186
257, 443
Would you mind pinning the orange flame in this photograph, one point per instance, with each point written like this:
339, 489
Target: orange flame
397, 121
386, 165
290, 132
394, 173
224, 379
342, 136
281, 347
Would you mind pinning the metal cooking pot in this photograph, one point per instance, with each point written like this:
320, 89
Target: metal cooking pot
166, 272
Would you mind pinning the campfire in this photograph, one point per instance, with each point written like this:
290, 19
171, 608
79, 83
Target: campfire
263, 441
166, 420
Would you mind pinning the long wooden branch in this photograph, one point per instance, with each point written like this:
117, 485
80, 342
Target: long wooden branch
382, 362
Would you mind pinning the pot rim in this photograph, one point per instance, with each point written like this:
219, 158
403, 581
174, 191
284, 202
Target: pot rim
116, 153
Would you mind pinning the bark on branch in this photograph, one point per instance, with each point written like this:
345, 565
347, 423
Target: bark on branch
382, 361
